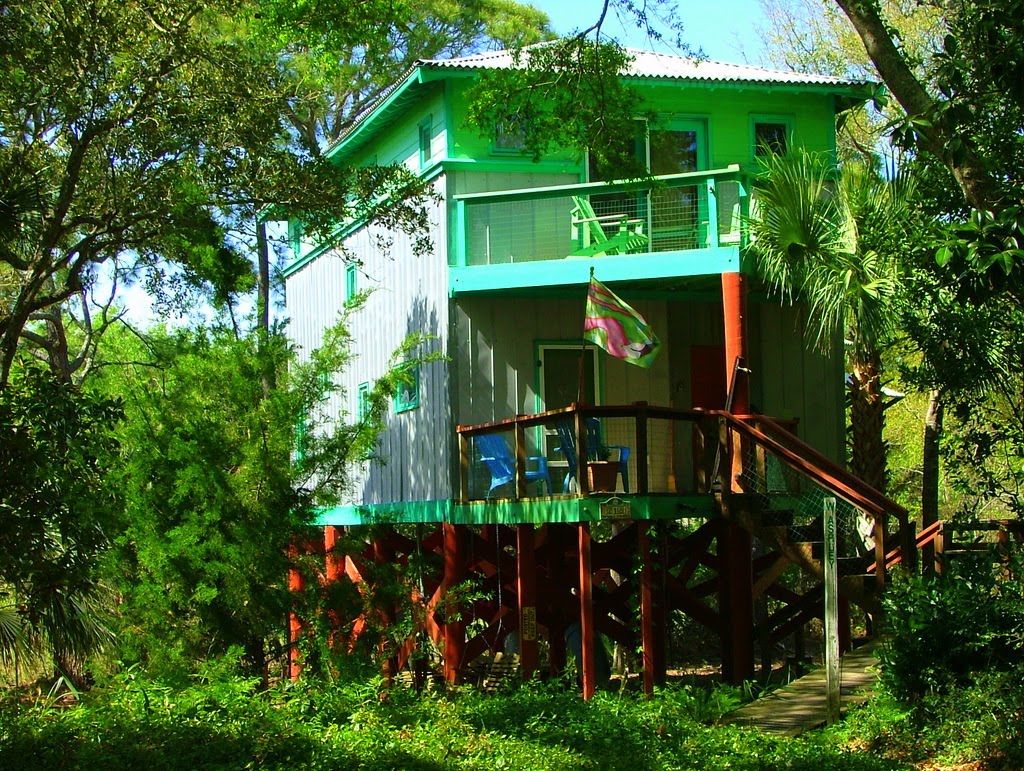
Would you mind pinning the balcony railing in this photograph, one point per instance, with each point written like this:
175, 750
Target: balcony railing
677, 212
642, 450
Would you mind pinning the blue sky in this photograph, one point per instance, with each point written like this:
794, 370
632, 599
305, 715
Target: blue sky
725, 29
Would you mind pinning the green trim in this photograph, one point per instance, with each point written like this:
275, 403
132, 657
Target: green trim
560, 191
558, 509
568, 509
425, 139
513, 164
362, 401
399, 95
712, 213
449, 128
351, 278
380, 513
461, 238
630, 267
407, 397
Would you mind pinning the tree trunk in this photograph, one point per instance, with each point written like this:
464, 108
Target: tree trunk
263, 305
868, 456
930, 473
974, 179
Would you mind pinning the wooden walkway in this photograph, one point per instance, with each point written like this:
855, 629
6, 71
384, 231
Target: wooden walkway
801, 705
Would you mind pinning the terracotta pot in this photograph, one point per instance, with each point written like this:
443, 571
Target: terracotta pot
602, 475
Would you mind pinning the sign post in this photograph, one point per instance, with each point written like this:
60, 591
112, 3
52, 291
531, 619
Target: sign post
832, 676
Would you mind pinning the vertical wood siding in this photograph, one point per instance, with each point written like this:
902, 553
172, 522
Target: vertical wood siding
409, 295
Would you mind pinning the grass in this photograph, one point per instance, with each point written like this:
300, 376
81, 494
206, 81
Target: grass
131, 722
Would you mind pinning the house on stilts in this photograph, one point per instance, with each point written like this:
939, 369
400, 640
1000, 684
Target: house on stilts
584, 495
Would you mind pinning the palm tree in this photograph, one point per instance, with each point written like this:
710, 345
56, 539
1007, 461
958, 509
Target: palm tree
836, 241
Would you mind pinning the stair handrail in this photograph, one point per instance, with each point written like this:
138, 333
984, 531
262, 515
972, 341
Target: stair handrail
809, 461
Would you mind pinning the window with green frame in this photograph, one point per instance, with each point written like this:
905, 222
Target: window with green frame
771, 134
351, 281
407, 397
363, 401
426, 132
509, 137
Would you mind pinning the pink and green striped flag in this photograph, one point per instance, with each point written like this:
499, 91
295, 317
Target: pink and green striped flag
617, 328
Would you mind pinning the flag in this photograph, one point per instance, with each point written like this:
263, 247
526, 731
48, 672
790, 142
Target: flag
617, 328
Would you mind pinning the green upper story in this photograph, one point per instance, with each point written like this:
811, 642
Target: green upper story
516, 223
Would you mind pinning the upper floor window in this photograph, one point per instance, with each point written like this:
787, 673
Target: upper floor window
426, 134
509, 136
771, 134
407, 397
351, 284
363, 401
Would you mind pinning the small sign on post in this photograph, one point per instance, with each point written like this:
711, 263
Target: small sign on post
832, 676
616, 510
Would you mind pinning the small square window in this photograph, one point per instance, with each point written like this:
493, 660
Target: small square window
509, 136
408, 395
426, 134
301, 428
771, 137
363, 401
351, 282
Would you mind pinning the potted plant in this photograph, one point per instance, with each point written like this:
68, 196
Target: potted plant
602, 472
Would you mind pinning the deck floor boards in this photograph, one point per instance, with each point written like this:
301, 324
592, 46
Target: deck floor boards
801, 705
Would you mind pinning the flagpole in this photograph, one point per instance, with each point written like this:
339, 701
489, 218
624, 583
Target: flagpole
583, 345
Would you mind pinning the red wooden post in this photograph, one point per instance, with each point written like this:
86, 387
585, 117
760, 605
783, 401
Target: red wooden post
333, 564
296, 583
526, 588
734, 306
736, 602
334, 568
558, 581
383, 554
646, 608
587, 665
454, 574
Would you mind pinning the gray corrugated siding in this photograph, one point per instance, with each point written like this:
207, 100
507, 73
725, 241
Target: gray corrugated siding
410, 295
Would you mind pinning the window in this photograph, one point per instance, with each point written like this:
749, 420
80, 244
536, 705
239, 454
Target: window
351, 270
509, 136
771, 135
407, 397
363, 401
426, 134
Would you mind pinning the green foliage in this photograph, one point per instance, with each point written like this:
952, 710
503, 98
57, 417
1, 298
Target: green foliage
218, 483
150, 133
336, 70
224, 722
943, 632
56, 512
567, 94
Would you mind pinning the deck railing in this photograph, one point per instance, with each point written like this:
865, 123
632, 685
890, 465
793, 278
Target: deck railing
645, 450
676, 212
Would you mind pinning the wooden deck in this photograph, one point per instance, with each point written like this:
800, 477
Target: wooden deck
800, 706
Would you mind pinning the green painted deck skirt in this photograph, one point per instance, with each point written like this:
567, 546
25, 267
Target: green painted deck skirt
508, 512
576, 271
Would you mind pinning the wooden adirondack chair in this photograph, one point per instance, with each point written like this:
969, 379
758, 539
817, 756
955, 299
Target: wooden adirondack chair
591, 235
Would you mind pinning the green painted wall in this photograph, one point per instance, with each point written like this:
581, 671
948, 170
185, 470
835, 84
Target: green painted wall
726, 109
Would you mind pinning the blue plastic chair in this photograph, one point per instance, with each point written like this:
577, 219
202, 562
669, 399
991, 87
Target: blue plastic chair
567, 438
495, 453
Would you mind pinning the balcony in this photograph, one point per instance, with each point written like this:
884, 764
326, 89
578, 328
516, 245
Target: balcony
676, 225
665, 463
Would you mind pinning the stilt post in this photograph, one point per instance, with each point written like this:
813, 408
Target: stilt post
587, 665
526, 588
454, 574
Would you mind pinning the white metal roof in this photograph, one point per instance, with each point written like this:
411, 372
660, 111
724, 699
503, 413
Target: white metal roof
648, 64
